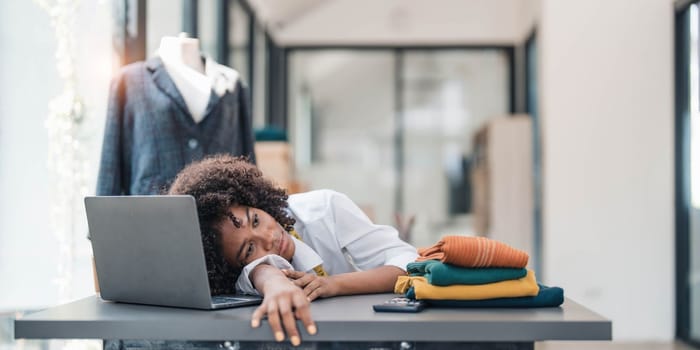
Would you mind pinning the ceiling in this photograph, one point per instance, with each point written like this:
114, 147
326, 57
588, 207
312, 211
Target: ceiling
396, 22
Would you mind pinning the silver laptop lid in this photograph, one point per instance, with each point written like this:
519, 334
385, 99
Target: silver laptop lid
148, 250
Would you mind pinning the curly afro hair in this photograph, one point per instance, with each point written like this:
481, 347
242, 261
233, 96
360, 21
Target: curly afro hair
218, 183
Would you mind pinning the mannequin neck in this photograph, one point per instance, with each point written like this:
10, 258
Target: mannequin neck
181, 50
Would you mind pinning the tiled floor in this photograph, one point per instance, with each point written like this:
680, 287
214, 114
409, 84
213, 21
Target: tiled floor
97, 345
561, 345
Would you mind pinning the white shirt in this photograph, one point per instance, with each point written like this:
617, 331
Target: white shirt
337, 234
196, 88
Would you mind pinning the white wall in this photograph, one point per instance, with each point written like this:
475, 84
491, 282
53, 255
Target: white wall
26, 255
28, 251
528, 19
607, 112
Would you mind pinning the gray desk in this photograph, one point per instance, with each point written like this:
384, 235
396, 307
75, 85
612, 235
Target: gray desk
338, 319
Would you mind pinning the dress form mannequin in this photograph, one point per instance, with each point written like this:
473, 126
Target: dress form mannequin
181, 50
163, 114
185, 66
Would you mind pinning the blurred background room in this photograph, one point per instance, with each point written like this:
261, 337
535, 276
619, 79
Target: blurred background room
566, 128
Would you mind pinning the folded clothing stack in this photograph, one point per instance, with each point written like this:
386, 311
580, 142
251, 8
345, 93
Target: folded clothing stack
462, 271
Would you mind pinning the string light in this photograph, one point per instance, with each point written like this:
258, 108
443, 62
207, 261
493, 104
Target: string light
67, 161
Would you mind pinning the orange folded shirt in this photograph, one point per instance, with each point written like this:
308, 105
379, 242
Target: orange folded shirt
468, 251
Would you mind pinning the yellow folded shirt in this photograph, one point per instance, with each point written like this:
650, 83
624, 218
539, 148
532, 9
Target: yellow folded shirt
523, 287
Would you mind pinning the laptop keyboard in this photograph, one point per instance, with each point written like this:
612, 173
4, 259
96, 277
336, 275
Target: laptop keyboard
225, 299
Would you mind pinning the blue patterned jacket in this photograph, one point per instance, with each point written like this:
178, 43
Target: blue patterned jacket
150, 135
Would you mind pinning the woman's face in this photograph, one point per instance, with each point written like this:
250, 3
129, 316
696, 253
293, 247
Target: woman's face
251, 234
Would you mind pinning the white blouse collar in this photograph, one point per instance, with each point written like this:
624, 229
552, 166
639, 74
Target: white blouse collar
305, 258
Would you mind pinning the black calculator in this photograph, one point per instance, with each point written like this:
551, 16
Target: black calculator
400, 304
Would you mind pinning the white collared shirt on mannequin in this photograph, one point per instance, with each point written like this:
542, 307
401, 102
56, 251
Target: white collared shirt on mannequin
195, 80
337, 234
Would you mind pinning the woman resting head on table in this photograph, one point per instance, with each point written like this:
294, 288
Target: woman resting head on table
248, 230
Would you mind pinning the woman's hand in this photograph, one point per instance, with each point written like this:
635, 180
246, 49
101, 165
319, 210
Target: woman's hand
377, 280
314, 286
283, 303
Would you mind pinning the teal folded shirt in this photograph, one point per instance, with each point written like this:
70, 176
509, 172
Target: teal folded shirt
440, 274
547, 297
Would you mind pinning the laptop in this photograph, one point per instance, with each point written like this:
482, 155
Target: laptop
148, 250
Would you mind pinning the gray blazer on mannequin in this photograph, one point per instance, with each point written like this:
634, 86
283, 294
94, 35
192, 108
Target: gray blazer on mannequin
150, 135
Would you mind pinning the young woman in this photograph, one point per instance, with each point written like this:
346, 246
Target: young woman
291, 250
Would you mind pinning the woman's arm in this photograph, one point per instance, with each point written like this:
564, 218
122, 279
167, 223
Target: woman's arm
376, 252
377, 280
283, 302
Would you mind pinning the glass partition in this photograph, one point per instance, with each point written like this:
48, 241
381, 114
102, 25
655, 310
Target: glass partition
239, 40
687, 169
694, 133
447, 96
341, 125
163, 18
393, 129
